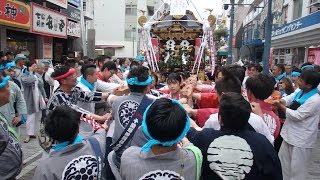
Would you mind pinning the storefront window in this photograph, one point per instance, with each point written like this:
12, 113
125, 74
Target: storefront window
21, 42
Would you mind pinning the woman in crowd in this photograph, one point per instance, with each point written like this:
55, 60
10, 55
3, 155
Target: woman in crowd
35, 98
165, 123
285, 87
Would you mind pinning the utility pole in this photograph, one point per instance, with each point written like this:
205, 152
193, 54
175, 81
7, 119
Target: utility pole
229, 60
133, 37
267, 43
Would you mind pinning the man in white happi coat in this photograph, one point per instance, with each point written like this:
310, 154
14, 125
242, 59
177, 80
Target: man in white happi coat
300, 129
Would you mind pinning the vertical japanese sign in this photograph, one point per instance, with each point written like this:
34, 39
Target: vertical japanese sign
48, 22
155, 44
15, 13
47, 47
72, 13
61, 3
74, 29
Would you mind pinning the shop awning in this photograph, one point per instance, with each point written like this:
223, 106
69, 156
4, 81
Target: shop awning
109, 46
222, 51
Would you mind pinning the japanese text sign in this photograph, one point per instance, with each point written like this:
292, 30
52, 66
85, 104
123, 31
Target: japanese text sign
61, 3
74, 29
304, 22
72, 13
15, 13
48, 22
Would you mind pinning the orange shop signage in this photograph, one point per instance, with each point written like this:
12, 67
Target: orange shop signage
15, 13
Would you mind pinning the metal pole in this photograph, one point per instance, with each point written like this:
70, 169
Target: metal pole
133, 47
229, 60
133, 32
267, 43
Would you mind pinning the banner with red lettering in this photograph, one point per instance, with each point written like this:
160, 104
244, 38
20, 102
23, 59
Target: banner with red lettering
155, 45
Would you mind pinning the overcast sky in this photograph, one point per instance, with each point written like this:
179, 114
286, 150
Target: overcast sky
216, 5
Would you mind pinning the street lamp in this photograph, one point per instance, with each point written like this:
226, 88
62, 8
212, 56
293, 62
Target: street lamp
133, 36
229, 60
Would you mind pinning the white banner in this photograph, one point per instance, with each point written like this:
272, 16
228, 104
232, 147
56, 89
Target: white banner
178, 7
74, 29
48, 22
61, 3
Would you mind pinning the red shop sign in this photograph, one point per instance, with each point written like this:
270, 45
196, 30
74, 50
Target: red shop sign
15, 13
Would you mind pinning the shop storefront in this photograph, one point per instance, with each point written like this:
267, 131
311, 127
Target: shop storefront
15, 24
297, 42
74, 29
22, 42
52, 25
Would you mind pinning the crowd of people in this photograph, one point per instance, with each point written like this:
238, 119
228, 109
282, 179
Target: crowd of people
238, 124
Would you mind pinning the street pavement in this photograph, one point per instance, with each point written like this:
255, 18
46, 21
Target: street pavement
33, 152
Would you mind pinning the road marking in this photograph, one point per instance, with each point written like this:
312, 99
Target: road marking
31, 166
33, 156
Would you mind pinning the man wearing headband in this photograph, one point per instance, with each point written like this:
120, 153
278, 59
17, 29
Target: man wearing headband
124, 111
68, 94
10, 150
165, 123
235, 152
16, 109
300, 129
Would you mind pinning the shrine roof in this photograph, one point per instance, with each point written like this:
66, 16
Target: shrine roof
168, 20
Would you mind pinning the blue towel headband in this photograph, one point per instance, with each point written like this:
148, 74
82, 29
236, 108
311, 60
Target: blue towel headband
135, 81
295, 74
307, 66
4, 81
153, 141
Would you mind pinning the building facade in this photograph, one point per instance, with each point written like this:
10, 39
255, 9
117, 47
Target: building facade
249, 31
116, 24
296, 36
42, 29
